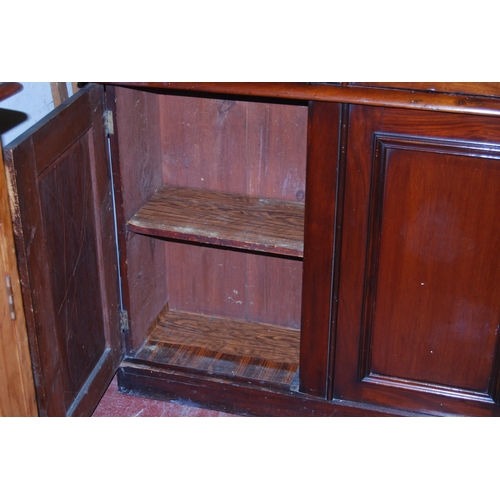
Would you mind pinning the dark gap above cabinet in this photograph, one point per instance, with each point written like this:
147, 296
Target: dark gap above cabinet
223, 219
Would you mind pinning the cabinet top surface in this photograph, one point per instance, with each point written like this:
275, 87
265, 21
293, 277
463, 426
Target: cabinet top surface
481, 98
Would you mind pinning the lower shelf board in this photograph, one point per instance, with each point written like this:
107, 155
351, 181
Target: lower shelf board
224, 347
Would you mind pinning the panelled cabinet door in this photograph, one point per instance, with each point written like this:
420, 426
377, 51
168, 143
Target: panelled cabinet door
419, 309
63, 221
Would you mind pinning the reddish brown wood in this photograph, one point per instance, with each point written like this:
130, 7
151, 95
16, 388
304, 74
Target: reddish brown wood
136, 160
230, 146
274, 290
322, 169
245, 397
234, 146
413, 99
8, 89
419, 296
17, 390
228, 336
66, 248
189, 359
416, 197
240, 147
212, 217
473, 88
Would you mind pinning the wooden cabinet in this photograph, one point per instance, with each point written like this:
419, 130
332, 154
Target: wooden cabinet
17, 391
282, 249
419, 282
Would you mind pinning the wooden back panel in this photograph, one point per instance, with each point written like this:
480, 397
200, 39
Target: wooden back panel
239, 147
235, 146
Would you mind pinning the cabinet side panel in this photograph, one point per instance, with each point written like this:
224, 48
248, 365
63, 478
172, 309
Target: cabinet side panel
138, 147
136, 156
17, 390
35, 281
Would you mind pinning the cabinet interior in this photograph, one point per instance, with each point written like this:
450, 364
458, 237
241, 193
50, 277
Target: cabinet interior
211, 196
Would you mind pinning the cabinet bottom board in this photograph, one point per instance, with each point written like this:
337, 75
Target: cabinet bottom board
223, 346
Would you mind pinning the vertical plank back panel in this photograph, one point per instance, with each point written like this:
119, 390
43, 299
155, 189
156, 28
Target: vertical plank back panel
243, 148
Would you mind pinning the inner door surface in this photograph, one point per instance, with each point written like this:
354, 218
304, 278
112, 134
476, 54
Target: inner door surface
419, 308
63, 222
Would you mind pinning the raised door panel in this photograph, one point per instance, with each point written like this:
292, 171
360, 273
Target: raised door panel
67, 254
419, 304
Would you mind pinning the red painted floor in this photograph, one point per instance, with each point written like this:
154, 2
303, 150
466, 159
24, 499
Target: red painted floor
114, 404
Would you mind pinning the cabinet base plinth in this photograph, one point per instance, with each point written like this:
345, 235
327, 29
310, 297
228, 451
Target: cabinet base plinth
249, 399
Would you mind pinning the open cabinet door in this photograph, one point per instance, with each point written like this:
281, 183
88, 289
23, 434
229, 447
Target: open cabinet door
61, 197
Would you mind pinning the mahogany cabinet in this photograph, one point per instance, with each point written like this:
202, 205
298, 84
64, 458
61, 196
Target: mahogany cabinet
266, 249
17, 391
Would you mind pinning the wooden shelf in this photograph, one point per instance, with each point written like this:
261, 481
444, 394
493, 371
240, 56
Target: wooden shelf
217, 218
224, 346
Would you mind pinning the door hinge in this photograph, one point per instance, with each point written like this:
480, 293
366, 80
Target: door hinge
109, 127
10, 295
124, 320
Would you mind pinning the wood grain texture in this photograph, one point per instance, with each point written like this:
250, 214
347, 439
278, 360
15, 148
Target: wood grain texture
234, 146
17, 389
274, 290
240, 149
243, 148
136, 162
69, 234
211, 362
419, 307
473, 88
228, 220
59, 92
224, 282
228, 336
386, 97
